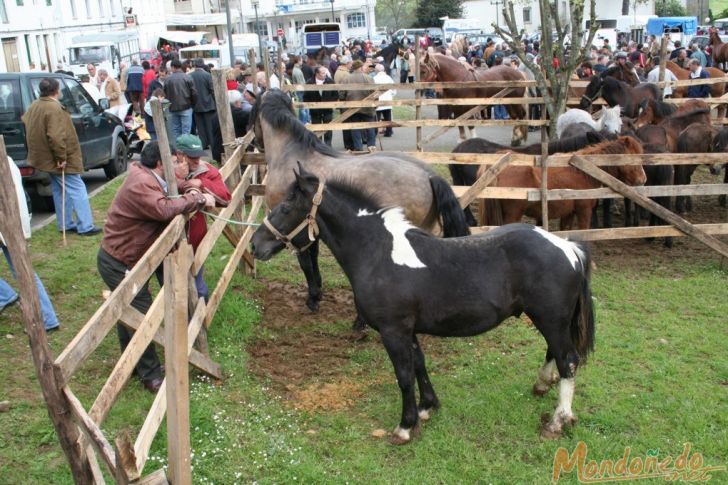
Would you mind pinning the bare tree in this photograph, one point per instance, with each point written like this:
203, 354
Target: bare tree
553, 81
396, 14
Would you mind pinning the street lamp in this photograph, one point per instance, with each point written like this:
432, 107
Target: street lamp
497, 11
365, 7
333, 17
255, 4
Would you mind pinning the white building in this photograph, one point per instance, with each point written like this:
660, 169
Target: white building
528, 16
39, 31
357, 17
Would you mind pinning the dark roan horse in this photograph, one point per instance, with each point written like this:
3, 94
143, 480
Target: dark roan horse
619, 93
467, 174
389, 54
392, 179
408, 282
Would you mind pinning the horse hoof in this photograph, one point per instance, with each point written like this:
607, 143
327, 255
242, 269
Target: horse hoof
549, 434
668, 242
426, 414
402, 436
540, 390
358, 336
313, 303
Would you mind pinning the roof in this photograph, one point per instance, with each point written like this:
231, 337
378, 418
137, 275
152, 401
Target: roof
657, 26
114, 36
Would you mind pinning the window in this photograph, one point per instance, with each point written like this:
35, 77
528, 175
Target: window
3, 13
19, 3
88, 8
355, 20
261, 28
527, 15
101, 8
49, 3
11, 106
73, 9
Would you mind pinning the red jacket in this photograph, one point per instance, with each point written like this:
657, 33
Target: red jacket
232, 84
140, 212
211, 182
149, 76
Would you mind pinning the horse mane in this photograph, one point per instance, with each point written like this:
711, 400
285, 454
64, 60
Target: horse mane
622, 145
662, 109
687, 114
276, 108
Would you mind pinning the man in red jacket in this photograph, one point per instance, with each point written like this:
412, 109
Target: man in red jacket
139, 213
189, 151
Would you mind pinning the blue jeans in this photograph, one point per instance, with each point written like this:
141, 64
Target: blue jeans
180, 123
499, 112
7, 295
202, 289
360, 137
304, 115
76, 202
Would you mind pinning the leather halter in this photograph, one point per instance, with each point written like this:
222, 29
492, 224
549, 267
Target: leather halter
309, 221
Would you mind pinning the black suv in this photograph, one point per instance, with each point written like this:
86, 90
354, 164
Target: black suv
102, 135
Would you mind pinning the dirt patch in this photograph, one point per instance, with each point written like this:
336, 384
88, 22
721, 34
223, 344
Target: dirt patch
303, 354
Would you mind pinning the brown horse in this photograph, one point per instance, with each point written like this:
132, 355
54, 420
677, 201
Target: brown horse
568, 211
655, 112
718, 47
716, 90
695, 138
438, 67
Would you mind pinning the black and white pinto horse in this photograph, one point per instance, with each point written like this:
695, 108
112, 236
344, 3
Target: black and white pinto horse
408, 282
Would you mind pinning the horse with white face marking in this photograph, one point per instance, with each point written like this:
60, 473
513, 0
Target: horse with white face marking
406, 281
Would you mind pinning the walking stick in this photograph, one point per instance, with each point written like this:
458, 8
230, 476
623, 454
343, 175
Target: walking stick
63, 203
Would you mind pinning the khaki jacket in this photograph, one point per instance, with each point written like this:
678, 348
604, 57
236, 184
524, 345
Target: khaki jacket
51, 137
113, 92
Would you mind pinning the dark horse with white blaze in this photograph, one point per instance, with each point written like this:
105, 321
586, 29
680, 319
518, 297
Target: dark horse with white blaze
392, 179
408, 282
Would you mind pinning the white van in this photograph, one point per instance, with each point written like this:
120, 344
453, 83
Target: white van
216, 54
107, 50
242, 43
450, 27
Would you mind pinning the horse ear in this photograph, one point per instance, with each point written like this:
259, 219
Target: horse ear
305, 180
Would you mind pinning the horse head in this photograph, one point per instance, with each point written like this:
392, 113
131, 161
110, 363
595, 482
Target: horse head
429, 68
645, 115
592, 92
292, 223
611, 120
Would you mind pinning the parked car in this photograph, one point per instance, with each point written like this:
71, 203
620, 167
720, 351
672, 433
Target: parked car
102, 135
704, 40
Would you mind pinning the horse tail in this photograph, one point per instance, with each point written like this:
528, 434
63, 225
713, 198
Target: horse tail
582, 321
448, 206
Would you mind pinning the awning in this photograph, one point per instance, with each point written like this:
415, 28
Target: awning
660, 25
182, 36
202, 19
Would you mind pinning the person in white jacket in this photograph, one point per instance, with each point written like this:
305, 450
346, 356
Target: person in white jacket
8, 296
384, 113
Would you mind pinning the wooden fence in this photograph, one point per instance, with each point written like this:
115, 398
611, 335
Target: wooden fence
186, 318
589, 164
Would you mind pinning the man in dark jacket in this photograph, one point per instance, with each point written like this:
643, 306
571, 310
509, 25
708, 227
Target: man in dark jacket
137, 216
321, 116
204, 108
697, 72
182, 95
53, 147
134, 85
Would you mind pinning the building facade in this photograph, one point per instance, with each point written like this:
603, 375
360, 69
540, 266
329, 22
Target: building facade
36, 33
528, 16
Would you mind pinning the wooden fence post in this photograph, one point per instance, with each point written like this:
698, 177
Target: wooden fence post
161, 127
47, 373
544, 171
176, 270
418, 93
663, 63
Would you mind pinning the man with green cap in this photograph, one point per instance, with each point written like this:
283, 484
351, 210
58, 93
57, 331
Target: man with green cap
190, 152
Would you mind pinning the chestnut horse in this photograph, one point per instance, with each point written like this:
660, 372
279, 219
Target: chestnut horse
439, 67
718, 47
568, 211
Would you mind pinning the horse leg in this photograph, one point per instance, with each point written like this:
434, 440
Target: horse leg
308, 260
548, 375
566, 360
722, 198
428, 398
397, 340
461, 131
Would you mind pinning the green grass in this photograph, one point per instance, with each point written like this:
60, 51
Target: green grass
658, 378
